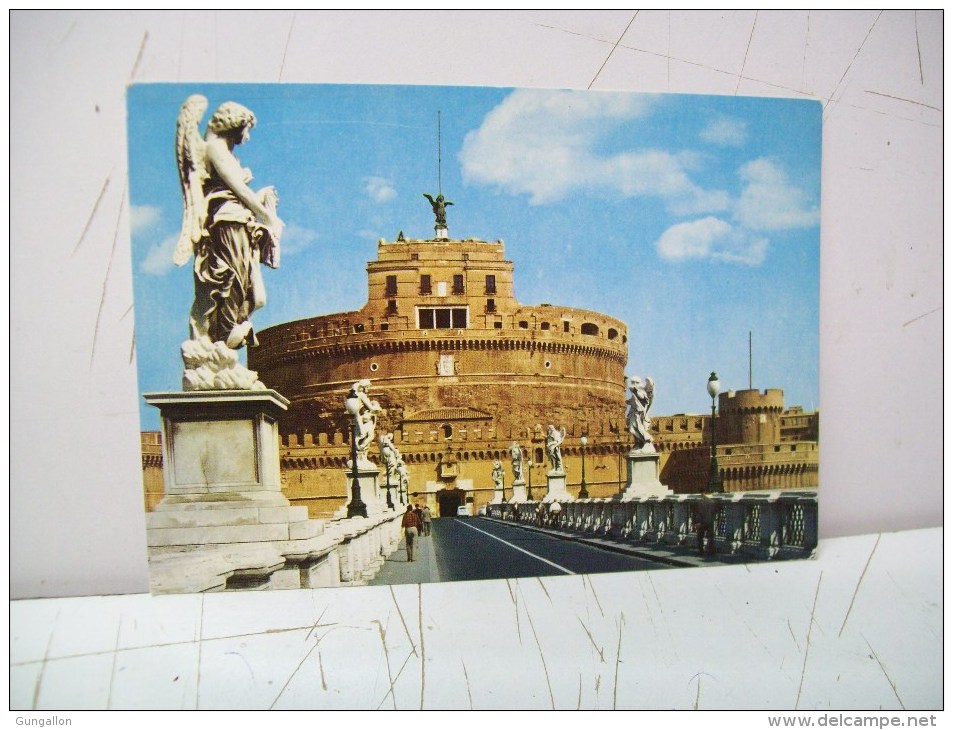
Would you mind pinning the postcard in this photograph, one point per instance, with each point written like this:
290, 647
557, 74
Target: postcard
406, 334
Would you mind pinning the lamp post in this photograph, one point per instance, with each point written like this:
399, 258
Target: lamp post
583, 492
529, 484
390, 502
714, 480
356, 507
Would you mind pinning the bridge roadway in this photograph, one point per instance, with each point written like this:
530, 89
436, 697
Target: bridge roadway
478, 549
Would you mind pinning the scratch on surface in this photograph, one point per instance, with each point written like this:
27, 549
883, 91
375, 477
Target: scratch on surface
599, 651
851, 63
614, 46
618, 661
592, 589
112, 673
791, 629
900, 98
884, 670
132, 346
747, 49
857, 587
390, 676
698, 691
92, 215
932, 311
916, 30
467, 680
807, 43
807, 645
400, 613
142, 47
242, 657
102, 299
543, 586
317, 643
284, 55
516, 608
324, 681
579, 698
549, 686
46, 654
69, 32
420, 629
198, 668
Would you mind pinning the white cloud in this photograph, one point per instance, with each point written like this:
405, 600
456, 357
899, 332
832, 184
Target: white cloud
379, 189
143, 217
769, 202
296, 239
711, 238
159, 259
542, 143
726, 132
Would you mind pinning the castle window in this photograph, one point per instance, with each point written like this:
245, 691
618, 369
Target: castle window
497, 325
414, 256
458, 283
384, 326
391, 306
359, 328
544, 326
565, 325
613, 334
491, 284
441, 318
588, 328
391, 287
524, 324
447, 431
490, 305
425, 287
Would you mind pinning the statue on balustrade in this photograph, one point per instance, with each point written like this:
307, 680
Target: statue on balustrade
554, 441
363, 412
390, 456
229, 231
497, 475
516, 456
642, 393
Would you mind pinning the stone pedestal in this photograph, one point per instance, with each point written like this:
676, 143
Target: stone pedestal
223, 521
556, 487
373, 495
643, 471
519, 492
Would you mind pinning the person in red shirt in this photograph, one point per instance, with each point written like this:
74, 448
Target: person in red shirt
411, 525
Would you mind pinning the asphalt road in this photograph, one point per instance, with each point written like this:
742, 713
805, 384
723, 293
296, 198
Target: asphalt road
477, 549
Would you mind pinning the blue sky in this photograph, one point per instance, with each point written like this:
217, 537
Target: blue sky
694, 219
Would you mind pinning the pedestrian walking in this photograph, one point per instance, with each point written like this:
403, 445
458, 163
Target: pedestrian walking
411, 526
425, 518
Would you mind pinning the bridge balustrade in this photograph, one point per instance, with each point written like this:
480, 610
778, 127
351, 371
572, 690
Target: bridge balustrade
774, 525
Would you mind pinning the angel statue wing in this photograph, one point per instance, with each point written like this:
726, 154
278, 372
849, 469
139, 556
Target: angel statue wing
649, 392
190, 157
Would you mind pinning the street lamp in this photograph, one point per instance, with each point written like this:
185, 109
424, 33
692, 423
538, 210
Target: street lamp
390, 502
714, 480
529, 484
583, 492
356, 507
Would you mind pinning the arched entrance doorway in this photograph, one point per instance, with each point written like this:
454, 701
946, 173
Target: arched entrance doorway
448, 500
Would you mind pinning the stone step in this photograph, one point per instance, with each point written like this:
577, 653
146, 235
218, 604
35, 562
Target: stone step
245, 515
216, 534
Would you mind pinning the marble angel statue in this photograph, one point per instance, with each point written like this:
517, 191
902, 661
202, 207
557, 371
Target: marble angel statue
228, 229
642, 393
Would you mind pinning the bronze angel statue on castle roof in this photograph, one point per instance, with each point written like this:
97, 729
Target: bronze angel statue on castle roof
227, 227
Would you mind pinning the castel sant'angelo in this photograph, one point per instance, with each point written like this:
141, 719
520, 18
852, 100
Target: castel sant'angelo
462, 370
